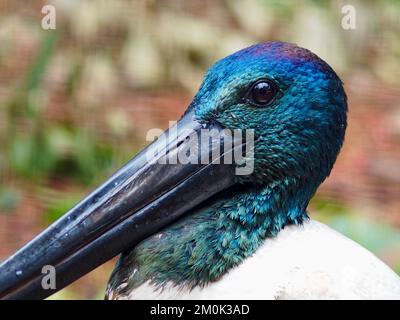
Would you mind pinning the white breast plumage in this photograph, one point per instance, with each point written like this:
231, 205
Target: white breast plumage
308, 262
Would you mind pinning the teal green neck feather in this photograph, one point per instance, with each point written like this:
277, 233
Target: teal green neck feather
203, 246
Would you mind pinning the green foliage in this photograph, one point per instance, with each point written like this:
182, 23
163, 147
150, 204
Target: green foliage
57, 207
28, 150
90, 157
35, 76
40, 149
9, 199
31, 156
377, 236
374, 236
327, 206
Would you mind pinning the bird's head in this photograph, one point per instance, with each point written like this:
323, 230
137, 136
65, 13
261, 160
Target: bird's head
294, 103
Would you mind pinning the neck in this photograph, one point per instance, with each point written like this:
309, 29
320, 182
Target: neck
207, 243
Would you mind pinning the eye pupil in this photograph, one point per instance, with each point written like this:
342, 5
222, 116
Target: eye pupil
262, 92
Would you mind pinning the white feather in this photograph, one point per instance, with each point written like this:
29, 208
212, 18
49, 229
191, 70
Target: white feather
308, 262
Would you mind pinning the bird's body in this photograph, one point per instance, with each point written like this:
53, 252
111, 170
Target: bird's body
204, 230
255, 240
311, 261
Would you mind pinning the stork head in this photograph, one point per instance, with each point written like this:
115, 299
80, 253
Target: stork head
293, 102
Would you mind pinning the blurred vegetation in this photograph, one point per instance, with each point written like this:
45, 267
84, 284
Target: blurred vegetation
76, 102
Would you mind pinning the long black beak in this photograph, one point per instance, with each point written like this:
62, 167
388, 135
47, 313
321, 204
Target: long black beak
148, 193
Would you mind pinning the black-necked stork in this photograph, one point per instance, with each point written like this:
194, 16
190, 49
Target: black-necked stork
202, 229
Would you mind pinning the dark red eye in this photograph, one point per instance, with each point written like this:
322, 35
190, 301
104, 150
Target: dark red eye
262, 93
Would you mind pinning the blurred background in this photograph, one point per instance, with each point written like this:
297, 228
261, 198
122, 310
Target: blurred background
76, 102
